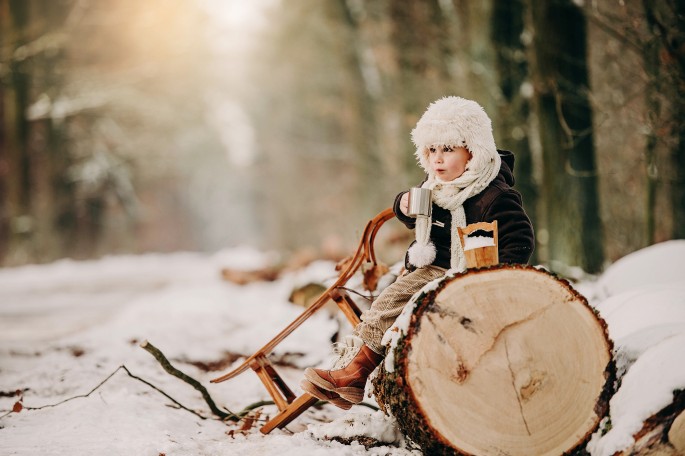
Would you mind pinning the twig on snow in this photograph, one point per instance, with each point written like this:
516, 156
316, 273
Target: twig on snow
164, 362
124, 368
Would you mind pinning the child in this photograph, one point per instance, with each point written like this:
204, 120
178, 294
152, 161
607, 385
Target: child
471, 181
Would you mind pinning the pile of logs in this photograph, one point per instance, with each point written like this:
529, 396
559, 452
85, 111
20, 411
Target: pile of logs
511, 360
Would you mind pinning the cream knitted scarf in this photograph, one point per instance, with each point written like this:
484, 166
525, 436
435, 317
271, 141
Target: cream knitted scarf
451, 196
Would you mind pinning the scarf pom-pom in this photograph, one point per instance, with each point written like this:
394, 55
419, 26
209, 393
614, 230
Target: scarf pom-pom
421, 255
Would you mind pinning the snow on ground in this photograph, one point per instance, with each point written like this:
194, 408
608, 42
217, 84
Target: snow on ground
65, 327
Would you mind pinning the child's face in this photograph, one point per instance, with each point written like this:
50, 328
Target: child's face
448, 162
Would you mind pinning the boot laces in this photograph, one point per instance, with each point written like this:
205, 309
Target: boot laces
346, 351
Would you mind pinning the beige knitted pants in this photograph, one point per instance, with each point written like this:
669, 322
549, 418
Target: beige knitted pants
389, 304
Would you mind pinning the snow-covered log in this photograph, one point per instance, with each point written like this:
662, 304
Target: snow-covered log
647, 413
662, 434
503, 360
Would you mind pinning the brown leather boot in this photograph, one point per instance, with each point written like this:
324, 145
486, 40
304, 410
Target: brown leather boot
328, 396
348, 376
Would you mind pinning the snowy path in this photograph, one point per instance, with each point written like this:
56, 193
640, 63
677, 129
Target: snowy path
65, 327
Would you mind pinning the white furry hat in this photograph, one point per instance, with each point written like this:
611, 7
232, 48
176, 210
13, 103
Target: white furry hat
459, 122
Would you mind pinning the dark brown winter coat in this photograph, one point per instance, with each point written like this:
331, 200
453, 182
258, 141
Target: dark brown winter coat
499, 201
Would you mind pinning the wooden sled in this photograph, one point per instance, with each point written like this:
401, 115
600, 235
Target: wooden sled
289, 406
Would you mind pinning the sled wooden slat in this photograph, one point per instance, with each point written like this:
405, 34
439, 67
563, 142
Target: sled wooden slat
295, 409
274, 384
347, 306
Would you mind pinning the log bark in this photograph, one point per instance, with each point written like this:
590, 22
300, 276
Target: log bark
502, 360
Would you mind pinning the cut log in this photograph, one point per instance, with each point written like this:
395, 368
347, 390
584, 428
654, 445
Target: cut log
663, 434
507, 360
676, 435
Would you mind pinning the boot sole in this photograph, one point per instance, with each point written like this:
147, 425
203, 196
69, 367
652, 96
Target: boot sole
350, 394
324, 395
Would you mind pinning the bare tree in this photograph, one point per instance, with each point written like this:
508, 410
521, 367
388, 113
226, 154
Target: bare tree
665, 64
649, 37
565, 118
14, 18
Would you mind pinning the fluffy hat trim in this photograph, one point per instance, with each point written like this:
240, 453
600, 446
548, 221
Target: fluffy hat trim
455, 121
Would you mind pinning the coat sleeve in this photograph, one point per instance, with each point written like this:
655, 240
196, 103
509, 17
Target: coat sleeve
514, 229
409, 222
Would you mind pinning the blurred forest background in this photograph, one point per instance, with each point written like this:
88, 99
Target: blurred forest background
132, 126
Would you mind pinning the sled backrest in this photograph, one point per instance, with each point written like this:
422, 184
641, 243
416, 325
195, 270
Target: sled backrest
479, 252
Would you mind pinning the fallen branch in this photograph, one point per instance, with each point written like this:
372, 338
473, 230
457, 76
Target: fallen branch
231, 416
370, 406
164, 362
124, 368
251, 407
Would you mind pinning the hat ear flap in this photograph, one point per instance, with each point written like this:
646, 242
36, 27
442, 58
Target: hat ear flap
422, 155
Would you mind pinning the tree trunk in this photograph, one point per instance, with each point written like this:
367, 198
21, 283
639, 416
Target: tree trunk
512, 122
419, 33
678, 167
45, 148
4, 133
15, 22
665, 65
654, 115
565, 120
505, 360
360, 93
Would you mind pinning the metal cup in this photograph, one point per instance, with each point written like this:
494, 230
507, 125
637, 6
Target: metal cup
420, 202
